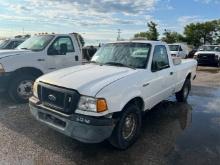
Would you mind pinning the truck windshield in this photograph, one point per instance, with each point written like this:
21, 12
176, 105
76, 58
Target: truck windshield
210, 48
174, 47
133, 55
4, 43
36, 43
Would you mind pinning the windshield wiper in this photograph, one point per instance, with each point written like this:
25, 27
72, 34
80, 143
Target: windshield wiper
93, 62
119, 64
25, 48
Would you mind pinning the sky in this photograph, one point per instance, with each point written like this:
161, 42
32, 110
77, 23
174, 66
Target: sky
99, 20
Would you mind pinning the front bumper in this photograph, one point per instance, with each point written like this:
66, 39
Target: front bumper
4, 81
207, 62
80, 127
207, 59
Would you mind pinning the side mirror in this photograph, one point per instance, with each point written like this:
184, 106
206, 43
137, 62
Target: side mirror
177, 61
63, 49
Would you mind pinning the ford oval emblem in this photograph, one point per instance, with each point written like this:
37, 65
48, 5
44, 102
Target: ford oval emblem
52, 98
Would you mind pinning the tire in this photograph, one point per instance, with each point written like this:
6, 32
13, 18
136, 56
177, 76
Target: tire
218, 64
182, 95
21, 85
123, 137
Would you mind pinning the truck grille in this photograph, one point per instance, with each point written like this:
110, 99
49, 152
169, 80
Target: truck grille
59, 99
206, 56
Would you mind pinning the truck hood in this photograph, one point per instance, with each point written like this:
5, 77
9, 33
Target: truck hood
86, 79
207, 52
14, 52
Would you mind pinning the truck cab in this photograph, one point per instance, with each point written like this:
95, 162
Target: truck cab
36, 56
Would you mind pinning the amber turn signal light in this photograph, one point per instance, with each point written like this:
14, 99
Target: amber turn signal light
101, 105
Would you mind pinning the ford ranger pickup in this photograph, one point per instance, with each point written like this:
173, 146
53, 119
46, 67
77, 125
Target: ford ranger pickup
106, 98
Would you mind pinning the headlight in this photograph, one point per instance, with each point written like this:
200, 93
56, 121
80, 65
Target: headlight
1, 69
35, 89
92, 104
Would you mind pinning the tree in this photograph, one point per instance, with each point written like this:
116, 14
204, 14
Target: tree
202, 33
172, 37
151, 34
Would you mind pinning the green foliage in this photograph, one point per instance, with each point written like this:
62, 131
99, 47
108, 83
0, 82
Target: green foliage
151, 34
202, 33
172, 37
195, 34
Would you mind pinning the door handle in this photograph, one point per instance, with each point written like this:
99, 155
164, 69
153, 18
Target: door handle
76, 58
52, 68
40, 59
171, 73
144, 85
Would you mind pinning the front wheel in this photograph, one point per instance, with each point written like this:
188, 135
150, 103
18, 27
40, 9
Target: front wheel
21, 88
182, 95
127, 129
218, 64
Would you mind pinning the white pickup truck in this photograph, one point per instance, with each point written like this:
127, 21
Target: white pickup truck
34, 57
106, 98
208, 54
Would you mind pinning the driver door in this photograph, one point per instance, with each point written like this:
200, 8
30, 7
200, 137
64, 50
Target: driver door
61, 54
162, 82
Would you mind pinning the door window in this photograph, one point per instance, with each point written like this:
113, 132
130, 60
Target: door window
160, 58
61, 46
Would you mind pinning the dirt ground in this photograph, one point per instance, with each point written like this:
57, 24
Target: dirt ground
173, 133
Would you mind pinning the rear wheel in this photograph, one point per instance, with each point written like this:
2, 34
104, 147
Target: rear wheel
182, 95
127, 129
21, 88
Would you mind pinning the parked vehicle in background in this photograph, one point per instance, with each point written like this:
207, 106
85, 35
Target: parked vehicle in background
36, 56
89, 51
179, 50
106, 98
11, 43
208, 55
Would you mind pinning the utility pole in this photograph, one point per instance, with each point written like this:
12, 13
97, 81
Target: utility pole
119, 35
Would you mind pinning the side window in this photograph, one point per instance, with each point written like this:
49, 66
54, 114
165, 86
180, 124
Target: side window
180, 49
17, 43
160, 58
11, 45
61, 46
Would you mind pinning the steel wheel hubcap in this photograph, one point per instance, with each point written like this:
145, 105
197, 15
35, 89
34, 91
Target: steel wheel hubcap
129, 126
25, 89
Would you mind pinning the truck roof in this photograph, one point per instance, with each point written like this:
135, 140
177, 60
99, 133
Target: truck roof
141, 41
57, 34
177, 44
14, 39
210, 45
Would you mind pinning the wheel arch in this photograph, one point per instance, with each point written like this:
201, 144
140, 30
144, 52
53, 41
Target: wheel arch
133, 101
189, 76
28, 70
